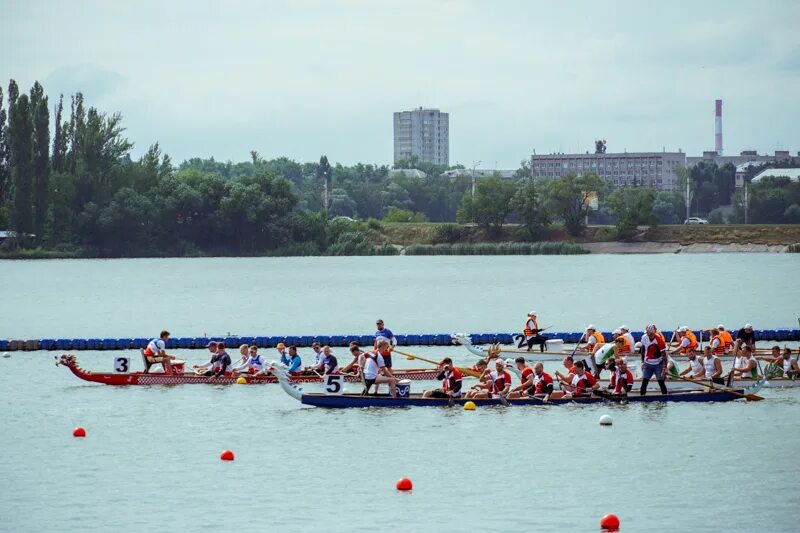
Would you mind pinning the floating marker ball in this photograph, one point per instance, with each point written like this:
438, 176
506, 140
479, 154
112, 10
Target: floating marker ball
6, 355
227, 455
78, 432
609, 522
469, 406
241, 381
605, 420
404, 484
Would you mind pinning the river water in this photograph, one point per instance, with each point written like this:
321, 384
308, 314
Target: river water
150, 459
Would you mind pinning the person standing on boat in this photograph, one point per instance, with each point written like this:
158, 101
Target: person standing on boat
621, 379
712, 366
222, 363
212, 348
374, 372
726, 338
156, 352
654, 360
530, 334
747, 335
384, 333
451, 379
745, 365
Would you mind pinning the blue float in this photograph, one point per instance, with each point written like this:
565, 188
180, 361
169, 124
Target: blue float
47, 344
3, 344
64, 344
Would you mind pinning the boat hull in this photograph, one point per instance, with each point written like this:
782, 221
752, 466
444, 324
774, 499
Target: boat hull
356, 400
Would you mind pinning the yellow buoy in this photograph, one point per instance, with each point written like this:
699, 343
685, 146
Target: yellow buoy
469, 406
241, 381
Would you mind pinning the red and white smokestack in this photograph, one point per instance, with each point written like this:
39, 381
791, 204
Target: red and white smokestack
718, 128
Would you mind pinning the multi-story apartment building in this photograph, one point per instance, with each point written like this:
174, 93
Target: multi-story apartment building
635, 169
424, 133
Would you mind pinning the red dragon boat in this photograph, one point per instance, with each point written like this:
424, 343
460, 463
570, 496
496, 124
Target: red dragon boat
178, 377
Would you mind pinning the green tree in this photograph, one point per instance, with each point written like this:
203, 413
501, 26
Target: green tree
20, 133
403, 216
668, 207
568, 198
491, 205
41, 156
341, 204
4, 170
59, 144
527, 203
631, 206
324, 175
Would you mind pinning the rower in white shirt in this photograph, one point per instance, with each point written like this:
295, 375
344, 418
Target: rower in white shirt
253, 364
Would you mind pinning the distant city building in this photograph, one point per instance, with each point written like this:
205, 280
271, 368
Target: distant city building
407, 173
479, 173
634, 169
792, 173
746, 156
424, 133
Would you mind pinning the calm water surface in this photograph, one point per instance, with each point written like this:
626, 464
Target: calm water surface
150, 460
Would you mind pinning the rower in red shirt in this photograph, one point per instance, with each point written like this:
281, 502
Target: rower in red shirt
525, 379
621, 379
451, 381
579, 381
494, 384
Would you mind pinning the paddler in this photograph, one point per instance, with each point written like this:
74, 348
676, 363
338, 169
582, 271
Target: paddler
374, 371
530, 333
295, 363
626, 334
579, 382
318, 357
355, 351
745, 365
747, 335
495, 384
451, 379
525, 379
212, 348
569, 364
156, 353
784, 362
384, 333
253, 363
480, 367
687, 341
621, 379
717, 342
695, 369
712, 366
654, 360
385, 348
284, 354
726, 338
594, 339
222, 363
328, 364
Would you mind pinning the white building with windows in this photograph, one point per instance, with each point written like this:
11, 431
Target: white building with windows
422, 133
634, 169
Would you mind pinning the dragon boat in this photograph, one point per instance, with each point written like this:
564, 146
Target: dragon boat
178, 377
345, 400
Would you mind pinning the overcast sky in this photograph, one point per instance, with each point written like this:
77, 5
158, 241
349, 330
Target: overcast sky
305, 78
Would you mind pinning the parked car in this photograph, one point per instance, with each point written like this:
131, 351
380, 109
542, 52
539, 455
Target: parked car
695, 220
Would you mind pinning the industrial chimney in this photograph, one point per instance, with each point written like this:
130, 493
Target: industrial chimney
718, 128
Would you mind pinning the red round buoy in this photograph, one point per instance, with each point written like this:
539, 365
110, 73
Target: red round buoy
609, 522
78, 432
227, 455
404, 484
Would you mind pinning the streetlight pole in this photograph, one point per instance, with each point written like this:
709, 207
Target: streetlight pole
474, 165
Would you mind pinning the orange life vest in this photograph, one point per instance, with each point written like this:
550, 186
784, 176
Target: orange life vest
726, 337
692, 342
721, 347
598, 337
528, 331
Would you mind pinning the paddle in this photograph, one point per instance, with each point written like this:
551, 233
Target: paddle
467, 371
710, 385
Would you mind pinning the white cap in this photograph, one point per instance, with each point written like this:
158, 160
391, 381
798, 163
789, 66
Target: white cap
590, 326
748, 326
616, 332
683, 329
626, 328
720, 327
500, 361
637, 345
532, 313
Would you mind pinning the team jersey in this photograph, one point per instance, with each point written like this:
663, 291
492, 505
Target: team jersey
451, 381
499, 381
710, 366
583, 383
371, 363
527, 372
620, 381
653, 349
154, 346
542, 384
295, 363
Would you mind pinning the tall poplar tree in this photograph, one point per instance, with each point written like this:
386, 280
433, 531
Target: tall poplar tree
20, 133
3, 153
59, 139
40, 122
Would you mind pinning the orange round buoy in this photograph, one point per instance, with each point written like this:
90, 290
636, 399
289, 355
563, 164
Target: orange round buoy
78, 432
404, 484
609, 522
227, 455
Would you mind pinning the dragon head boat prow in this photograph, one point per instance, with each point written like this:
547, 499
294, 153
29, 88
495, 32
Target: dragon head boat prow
67, 360
282, 374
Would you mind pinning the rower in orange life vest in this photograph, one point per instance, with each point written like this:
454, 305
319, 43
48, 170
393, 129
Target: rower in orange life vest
451, 381
494, 384
156, 352
726, 338
717, 342
594, 341
687, 341
530, 334
579, 381
630, 343
621, 379
654, 359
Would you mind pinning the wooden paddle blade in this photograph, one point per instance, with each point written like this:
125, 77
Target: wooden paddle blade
753, 397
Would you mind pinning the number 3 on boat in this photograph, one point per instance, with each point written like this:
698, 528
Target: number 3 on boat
122, 364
